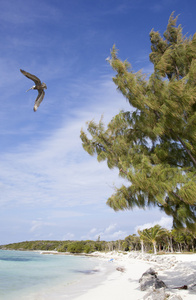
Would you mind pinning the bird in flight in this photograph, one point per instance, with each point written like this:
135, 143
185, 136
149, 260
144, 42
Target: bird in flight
38, 86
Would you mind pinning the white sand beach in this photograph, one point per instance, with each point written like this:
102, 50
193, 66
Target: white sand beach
175, 270
118, 275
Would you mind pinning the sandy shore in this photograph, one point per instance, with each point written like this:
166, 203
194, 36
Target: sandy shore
175, 270
117, 277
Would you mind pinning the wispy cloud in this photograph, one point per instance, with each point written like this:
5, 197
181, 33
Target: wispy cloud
111, 232
38, 224
68, 236
57, 168
26, 12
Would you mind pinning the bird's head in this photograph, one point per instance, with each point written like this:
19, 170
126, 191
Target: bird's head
44, 85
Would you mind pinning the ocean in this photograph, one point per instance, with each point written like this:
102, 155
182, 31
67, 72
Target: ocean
32, 275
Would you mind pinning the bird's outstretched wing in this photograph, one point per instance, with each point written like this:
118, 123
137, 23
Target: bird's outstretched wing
39, 99
32, 77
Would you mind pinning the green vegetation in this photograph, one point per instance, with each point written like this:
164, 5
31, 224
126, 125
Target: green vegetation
162, 239
154, 144
151, 235
60, 246
149, 240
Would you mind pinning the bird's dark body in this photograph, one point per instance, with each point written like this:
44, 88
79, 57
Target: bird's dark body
38, 86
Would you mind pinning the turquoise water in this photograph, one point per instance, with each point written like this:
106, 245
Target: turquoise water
25, 273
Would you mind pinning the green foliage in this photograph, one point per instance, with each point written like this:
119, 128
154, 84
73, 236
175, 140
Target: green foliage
76, 247
131, 243
60, 246
152, 235
154, 144
182, 240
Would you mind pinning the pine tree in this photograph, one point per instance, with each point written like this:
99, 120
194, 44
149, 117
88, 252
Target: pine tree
154, 144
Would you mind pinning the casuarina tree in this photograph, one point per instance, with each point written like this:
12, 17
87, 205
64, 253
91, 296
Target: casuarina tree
154, 144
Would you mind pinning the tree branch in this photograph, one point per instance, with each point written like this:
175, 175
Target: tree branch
185, 147
187, 150
121, 170
177, 196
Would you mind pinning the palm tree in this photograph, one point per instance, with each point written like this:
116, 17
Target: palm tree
169, 240
141, 240
151, 235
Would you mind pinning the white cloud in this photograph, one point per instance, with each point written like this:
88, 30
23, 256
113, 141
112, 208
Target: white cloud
93, 230
57, 169
164, 222
111, 232
118, 235
68, 236
38, 224
110, 228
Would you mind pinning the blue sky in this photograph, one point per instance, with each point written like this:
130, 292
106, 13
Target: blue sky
50, 188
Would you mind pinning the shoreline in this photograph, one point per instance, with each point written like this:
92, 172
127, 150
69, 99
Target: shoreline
90, 279
175, 270
116, 275
120, 278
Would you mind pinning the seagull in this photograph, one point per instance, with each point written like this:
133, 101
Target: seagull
38, 86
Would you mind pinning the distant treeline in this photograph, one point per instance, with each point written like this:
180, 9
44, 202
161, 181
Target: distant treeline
61, 246
163, 239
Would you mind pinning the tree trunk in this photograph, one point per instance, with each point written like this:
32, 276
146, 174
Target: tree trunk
154, 246
171, 246
142, 246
